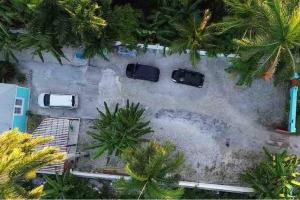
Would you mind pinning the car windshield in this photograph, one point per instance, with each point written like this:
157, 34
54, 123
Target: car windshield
47, 99
73, 101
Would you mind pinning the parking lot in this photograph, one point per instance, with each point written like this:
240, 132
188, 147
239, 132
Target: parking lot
221, 127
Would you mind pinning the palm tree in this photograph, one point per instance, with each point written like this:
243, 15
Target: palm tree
118, 130
8, 16
270, 43
41, 43
85, 17
19, 162
169, 12
153, 170
240, 14
180, 25
7, 40
191, 35
58, 187
68, 186
275, 177
122, 24
13, 13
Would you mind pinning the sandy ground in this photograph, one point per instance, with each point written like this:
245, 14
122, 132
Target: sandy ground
198, 121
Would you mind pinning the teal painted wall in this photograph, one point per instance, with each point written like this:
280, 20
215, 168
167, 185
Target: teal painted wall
20, 121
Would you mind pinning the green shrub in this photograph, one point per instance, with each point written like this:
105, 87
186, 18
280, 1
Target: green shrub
8, 71
195, 193
275, 177
21, 78
68, 186
33, 122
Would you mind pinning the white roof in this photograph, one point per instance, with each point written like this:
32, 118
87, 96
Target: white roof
7, 103
60, 100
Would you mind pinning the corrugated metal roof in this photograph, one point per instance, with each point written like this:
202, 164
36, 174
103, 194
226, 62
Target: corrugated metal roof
59, 129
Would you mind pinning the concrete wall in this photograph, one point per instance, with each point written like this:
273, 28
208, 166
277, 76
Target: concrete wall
184, 184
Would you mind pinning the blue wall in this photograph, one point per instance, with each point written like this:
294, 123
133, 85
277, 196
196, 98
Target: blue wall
20, 121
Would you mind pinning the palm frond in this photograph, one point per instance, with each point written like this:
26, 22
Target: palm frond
153, 169
272, 42
118, 130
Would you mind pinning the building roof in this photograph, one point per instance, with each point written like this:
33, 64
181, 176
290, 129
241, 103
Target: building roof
59, 129
7, 103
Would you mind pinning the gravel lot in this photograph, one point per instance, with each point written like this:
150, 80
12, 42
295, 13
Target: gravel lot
199, 121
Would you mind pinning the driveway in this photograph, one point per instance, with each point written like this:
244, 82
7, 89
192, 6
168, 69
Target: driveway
221, 127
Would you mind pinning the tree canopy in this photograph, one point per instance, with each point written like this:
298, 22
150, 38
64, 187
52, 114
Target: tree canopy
154, 171
19, 161
269, 44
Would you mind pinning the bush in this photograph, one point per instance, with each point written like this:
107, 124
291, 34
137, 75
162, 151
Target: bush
276, 176
21, 78
8, 71
33, 122
68, 186
196, 193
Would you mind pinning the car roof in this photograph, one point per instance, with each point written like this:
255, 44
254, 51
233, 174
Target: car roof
146, 72
193, 77
190, 77
60, 100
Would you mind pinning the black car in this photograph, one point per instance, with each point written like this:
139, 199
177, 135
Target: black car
143, 72
188, 77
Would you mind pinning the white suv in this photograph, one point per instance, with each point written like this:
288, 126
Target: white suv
48, 100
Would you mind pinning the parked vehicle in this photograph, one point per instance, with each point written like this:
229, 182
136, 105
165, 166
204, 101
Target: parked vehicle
123, 51
188, 77
142, 72
48, 100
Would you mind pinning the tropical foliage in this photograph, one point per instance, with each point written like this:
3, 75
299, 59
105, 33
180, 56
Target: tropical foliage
67, 186
269, 45
119, 129
7, 71
9, 16
196, 193
122, 24
6, 43
182, 25
192, 35
49, 25
154, 172
168, 13
19, 162
96, 26
57, 23
276, 176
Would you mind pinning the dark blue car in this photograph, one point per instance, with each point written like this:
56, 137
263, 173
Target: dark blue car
188, 77
142, 72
